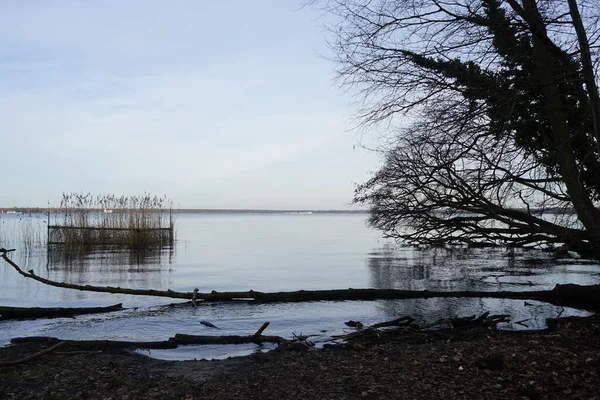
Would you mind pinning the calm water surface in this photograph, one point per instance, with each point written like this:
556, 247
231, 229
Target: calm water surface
269, 252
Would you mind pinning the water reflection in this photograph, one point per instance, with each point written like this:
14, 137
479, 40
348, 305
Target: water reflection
471, 269
58, 258
420, 269
530, 314
125, 268
462, 269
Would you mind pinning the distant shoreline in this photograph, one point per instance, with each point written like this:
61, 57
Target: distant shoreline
39, 210
244, 211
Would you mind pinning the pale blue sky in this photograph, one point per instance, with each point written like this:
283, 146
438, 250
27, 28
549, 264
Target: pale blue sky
215, 104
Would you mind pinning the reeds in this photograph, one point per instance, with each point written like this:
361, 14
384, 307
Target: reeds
31, 235
86, 222
23, 232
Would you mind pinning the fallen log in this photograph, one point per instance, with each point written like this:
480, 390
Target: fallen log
182, 338
53, 312
231, 339
172, 343
569, 295
100, 344
89, 288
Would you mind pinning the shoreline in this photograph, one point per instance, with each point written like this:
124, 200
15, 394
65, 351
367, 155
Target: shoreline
561, 362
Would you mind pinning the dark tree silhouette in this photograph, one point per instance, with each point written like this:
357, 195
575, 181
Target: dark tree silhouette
494, 112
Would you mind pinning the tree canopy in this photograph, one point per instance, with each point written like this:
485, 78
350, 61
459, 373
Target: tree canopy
494, 112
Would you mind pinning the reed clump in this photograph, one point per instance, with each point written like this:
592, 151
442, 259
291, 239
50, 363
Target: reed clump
86, 222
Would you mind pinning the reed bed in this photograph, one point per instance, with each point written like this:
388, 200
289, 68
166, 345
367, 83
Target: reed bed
87, 222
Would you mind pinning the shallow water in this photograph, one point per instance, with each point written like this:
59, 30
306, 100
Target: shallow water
271, 252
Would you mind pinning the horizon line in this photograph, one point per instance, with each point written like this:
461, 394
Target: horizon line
201, 210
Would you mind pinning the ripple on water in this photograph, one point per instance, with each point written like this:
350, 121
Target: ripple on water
321, 319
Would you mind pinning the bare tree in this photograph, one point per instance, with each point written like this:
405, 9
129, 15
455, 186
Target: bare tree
495, 114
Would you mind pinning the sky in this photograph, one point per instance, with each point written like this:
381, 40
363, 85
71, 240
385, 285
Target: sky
215, 104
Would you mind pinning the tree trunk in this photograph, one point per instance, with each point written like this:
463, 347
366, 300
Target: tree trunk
587, 67
550, 73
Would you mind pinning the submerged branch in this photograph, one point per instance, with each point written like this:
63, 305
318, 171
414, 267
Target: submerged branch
100, 344
570, 295
89, 288
53, 312
174, 342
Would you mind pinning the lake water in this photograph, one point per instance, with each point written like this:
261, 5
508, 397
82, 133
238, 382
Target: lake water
269, 252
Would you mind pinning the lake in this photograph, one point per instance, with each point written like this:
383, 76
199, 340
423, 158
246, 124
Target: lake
269, 252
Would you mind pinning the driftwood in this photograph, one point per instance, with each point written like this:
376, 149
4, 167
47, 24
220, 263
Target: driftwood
33, 356
89, 288
100, 344
172, 343
53, 312
484, 320
231, 339
570, 295
406, 324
